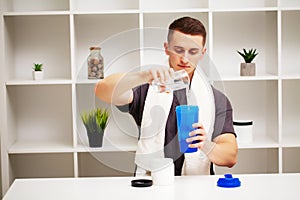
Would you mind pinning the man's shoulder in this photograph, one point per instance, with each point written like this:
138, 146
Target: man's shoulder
221, 99
217, 93
141, 89
139, 95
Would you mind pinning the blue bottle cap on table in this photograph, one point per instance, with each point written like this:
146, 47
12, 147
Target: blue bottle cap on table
229, 181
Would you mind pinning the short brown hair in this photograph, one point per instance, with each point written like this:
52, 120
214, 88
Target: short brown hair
187, 25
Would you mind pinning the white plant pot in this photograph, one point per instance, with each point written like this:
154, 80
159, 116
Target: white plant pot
247, 69
37, 75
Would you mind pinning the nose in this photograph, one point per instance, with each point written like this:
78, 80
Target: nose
184, 59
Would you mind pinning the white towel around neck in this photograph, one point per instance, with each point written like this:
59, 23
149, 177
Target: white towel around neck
155, 115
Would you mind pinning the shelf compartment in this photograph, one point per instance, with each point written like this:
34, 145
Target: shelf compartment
121, 132
39, 114
104, 5
116, 137
106, 164
41, 165
242, 4
173, 4
259, 142
36, 5
253, 161
256, 101
118, 39
290, 160
37, 39
290, 112
256, 30
291, 140
155, 34
290, 43
289, 4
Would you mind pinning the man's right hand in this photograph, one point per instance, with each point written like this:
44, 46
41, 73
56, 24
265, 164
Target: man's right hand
160, 74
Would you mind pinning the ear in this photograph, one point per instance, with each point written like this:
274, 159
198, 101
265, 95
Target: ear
203, 53
203, 50
166, 46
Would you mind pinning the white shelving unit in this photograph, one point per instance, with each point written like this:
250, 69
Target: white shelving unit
41, 131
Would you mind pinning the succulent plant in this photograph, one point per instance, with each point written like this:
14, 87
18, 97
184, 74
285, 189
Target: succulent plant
37, 66
248, 55
95, 121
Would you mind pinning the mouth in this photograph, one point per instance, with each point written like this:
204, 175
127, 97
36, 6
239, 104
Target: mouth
183, 66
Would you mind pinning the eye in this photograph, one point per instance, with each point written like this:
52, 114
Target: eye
179, 50
193, 51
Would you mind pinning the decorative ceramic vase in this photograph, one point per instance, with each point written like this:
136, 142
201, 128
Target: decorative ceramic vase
95, 64
247, 69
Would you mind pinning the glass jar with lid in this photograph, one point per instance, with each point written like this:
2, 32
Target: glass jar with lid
95, 64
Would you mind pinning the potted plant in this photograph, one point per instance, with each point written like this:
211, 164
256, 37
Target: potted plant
95, 122
37, 71
248, 68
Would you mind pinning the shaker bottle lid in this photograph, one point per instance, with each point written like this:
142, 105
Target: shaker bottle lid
228, 182
242, 122
141, 183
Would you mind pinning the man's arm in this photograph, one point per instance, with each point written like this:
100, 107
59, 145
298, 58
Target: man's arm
223, 150
117, 88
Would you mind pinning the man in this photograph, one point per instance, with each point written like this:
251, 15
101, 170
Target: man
185, 47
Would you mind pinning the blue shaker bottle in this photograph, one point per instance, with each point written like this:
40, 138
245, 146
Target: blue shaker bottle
186, 116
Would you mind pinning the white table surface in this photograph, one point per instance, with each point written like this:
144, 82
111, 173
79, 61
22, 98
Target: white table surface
260, 186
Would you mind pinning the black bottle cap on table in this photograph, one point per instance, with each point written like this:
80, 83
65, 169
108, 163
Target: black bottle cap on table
141, 183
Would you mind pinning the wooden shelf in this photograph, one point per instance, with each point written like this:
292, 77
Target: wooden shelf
191, 10
258, 77
105, 12
39, 82
245, 9
24, 147
87, 81
125, 147
36, 13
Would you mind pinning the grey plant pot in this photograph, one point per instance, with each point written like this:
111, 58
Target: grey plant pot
95, 139
247, 69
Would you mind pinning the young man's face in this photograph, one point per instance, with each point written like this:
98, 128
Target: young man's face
184, 51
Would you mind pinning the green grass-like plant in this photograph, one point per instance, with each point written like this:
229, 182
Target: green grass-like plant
37, 66
95, 121
248, 55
